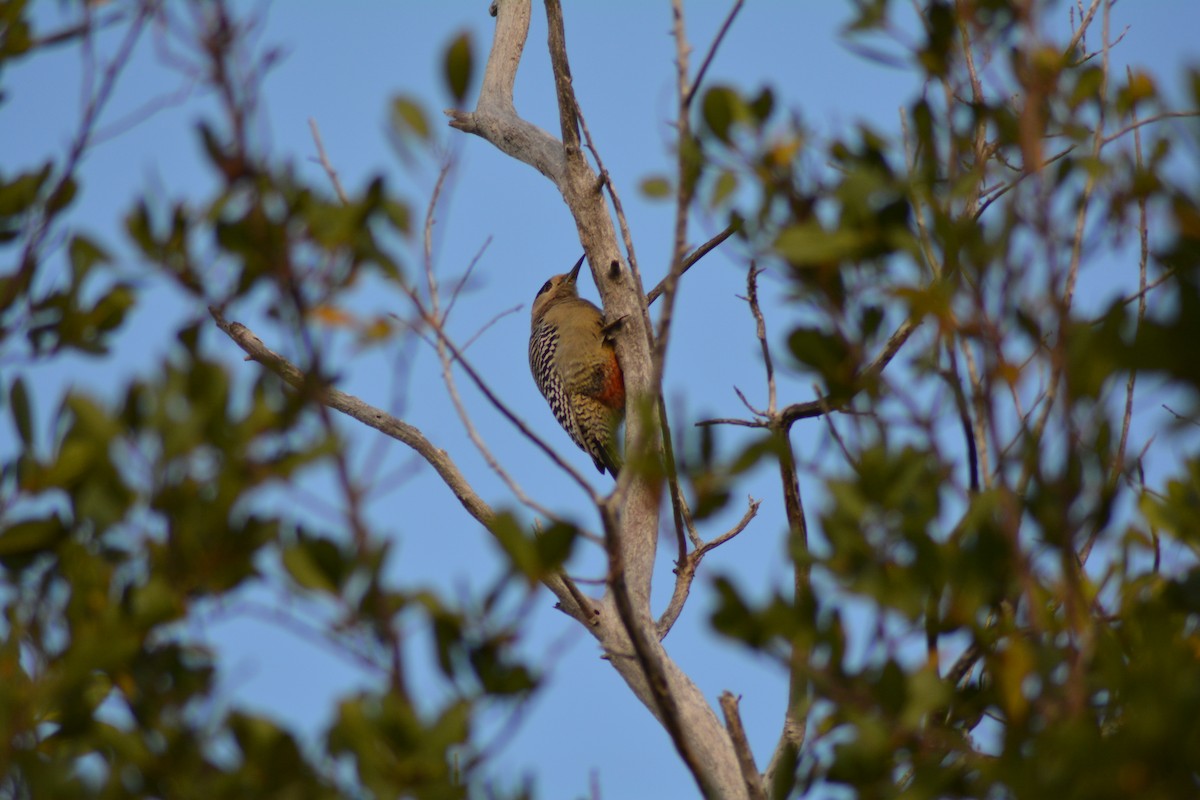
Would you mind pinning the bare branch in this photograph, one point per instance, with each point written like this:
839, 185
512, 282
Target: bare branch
442, 345
749, 406
622, 222
631, 514
1181, 417
680, 514
97, 98
1143, 265
648, 656
996, 191
964, 415
815, 408
795, 720
760, 330
1142, 293
462, 282
833, 431
323, 160
508, 414
697, 254
1140, 123
685, 570
495, 118
683, 194
90, 25
388, 425
1084, 22
747, 423
733, 723
484, 328
712, 52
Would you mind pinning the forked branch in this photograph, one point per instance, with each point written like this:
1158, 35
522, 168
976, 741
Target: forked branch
395, 428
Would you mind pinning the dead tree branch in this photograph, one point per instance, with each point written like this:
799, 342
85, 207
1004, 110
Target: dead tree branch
397, 429
624, 626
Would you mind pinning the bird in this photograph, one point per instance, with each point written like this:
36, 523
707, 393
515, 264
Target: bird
575, 367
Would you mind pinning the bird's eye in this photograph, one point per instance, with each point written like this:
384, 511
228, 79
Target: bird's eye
545, 288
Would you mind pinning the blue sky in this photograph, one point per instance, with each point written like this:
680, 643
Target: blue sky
341, 65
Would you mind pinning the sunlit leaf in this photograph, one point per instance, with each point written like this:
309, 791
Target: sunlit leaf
459, 66
408, 117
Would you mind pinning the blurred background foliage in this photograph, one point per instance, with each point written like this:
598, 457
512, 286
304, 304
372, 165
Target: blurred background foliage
1035, 601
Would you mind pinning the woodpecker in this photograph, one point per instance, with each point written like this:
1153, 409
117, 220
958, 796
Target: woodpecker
575, 367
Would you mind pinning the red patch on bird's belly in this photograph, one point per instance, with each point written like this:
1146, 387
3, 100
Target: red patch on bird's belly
612, 393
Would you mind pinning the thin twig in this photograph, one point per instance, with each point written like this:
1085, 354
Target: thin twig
751, 423
964, 415
484, 328
685, 570
833, 431
795, 720
427, 239
712, 52
760, 330
994, 193
697, 254
622, 222
323, 160
508, 414
97, 99
748, 405
815, 408
90, 25
466, 276
1180, 417
683, 194
388, 425
1140, 295
435, 320
1143, 265
1133, 126
1084, 22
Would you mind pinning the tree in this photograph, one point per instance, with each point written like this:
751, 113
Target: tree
992, 577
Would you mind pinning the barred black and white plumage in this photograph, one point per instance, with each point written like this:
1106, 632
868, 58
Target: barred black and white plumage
574, 365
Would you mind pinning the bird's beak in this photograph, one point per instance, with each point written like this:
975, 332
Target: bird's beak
574, 273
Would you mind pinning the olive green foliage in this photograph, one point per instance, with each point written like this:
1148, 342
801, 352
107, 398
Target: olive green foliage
123, 518
1035, 603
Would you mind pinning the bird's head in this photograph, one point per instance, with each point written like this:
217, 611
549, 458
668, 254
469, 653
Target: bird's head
559, 287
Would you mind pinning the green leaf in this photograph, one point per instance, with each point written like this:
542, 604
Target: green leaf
62, 197
409, 118
656, 187
22, 541
554, 546
157, 601
85, 254
15, 37
316, 564
19, 194
110, 310
519, 547
1088, 83
762, 106
828, 353
22, 414
726, 185
722, 107
809, 244
459, 66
